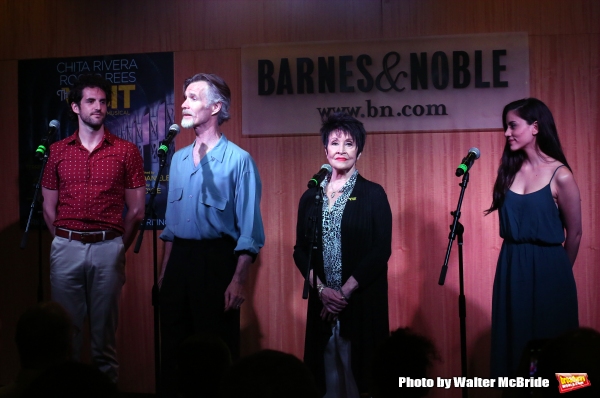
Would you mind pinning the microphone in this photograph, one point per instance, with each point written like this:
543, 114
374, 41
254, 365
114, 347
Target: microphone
467, 161
43, 147
164, 145
320, 176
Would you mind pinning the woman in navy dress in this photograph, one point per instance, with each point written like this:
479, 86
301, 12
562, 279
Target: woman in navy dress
538, 201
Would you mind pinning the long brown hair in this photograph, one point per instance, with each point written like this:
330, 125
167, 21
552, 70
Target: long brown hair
531, 110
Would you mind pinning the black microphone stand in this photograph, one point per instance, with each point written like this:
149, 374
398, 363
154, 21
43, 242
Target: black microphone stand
457, 229
32, 207
150, 213
313, 243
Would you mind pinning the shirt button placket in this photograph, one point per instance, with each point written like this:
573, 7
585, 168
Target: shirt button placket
88, 178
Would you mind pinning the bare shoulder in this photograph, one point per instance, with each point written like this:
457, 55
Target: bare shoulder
563, 185
564, 177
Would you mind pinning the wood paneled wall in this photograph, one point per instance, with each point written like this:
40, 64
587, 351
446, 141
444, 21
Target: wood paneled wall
414, 168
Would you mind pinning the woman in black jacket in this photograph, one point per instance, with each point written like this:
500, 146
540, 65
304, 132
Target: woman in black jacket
348, 303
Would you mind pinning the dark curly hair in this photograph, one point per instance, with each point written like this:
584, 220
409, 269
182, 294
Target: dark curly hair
88, 81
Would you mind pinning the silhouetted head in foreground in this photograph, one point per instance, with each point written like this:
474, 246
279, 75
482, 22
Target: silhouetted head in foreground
203, 359
44, 336
269, 374
404, 354
71, 380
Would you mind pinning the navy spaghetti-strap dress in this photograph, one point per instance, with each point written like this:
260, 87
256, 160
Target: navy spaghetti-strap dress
534, 290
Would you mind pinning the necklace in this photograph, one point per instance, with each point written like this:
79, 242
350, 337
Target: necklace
333, 193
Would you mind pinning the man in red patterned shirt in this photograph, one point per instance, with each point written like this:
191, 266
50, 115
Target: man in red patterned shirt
89, 179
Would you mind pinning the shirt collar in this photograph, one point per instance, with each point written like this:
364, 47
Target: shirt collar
217, 153
108, 137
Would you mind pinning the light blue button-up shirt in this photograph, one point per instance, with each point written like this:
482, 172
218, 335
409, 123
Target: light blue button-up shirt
218, 198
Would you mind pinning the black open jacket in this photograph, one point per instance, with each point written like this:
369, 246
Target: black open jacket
366, 247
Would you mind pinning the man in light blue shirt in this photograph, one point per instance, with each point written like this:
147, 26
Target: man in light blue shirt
213, 230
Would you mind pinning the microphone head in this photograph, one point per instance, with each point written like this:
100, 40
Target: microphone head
174, 128
318, 178
475, 152
55, 124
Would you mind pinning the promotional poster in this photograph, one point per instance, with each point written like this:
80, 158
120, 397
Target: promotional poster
141, 111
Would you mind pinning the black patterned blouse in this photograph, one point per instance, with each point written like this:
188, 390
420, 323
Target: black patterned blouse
332, 226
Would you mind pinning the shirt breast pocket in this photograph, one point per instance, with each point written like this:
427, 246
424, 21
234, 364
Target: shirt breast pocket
174, 205
213, 200
212, 209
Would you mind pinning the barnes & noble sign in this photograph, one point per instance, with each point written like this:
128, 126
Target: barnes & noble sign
418, 84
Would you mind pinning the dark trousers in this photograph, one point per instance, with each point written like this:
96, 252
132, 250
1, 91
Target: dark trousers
192, 300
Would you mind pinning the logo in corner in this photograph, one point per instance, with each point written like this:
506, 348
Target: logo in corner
572, 381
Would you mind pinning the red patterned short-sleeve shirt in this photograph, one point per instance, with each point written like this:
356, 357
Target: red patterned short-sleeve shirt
91, 185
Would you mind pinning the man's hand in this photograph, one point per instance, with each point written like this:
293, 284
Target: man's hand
235, 294
135, 201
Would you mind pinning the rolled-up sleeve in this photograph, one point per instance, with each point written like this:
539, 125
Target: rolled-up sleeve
247, 210
167, 235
